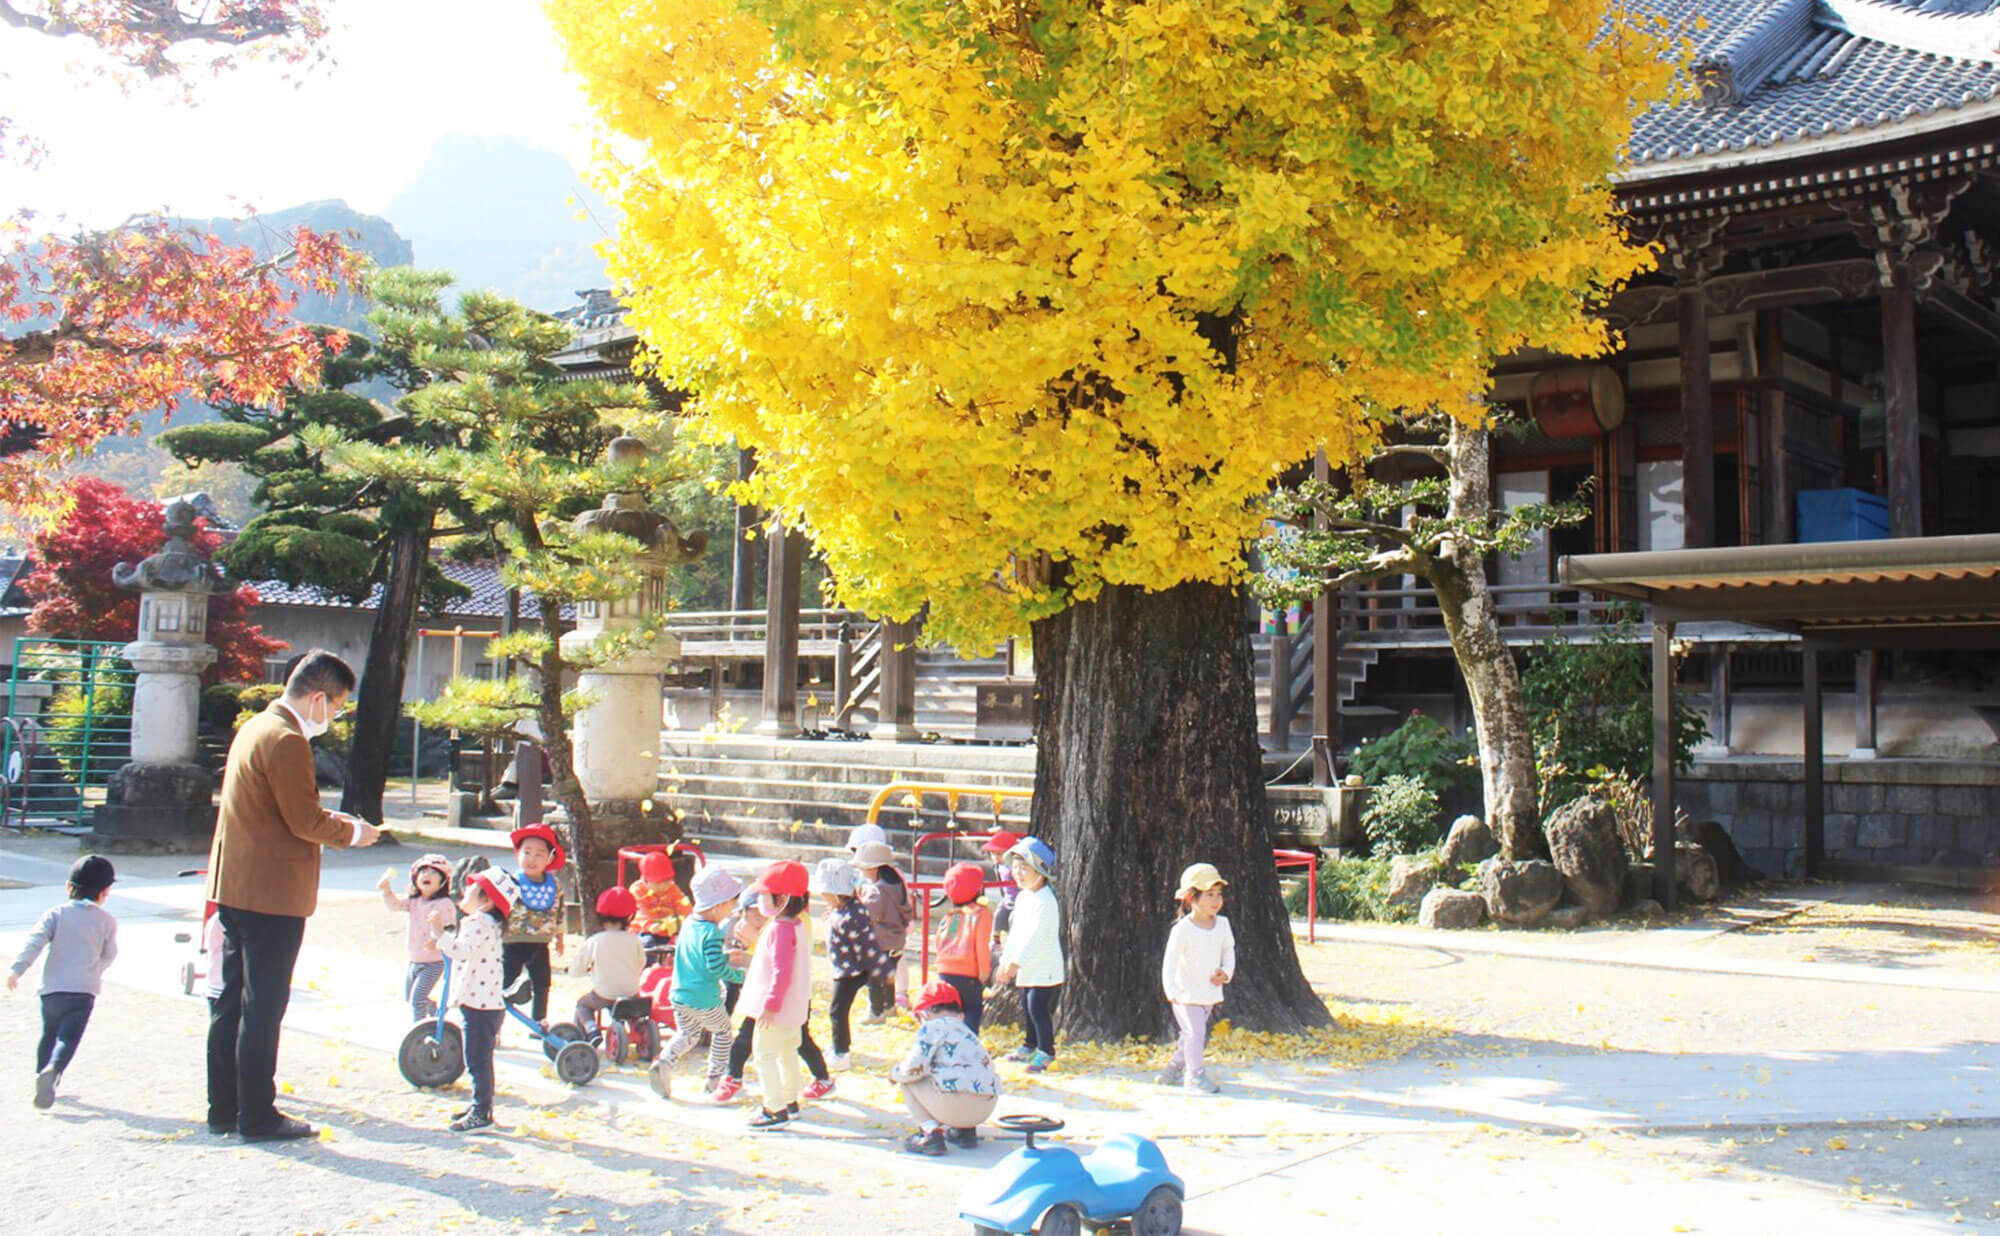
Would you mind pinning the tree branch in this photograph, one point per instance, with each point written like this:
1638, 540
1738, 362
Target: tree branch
1438, 455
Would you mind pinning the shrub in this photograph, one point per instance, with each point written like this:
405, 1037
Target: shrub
1352, 889
100, 723
1422, 748
1401, 816
1590, 709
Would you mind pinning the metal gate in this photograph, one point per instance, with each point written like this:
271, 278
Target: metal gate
66, 728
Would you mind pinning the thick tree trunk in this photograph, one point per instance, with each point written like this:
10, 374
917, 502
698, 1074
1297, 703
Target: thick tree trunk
378, 705
1500, 715
1146, 725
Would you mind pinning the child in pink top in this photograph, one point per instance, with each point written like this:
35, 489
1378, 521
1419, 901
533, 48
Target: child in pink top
777, 989
429, 910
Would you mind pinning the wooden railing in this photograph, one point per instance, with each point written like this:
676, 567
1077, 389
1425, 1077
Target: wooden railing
741, 632
1387, 617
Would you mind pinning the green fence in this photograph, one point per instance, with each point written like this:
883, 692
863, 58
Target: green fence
67, 727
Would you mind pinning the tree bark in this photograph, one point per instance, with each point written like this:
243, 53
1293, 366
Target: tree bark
378, 704
1500, 715
1147, 761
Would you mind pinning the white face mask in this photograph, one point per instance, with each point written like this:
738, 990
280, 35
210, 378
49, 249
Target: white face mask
313, 729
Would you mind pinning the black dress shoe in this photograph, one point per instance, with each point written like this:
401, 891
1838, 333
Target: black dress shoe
285, 1129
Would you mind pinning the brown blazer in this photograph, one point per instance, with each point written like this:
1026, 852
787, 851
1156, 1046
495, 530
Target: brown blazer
270, 825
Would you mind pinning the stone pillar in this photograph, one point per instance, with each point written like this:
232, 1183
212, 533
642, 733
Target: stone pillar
162, 800
617, 735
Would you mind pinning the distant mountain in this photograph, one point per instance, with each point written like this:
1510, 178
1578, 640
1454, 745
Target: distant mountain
268, 233
498, 213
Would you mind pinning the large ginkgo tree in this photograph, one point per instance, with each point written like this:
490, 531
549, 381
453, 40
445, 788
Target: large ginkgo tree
1024, 306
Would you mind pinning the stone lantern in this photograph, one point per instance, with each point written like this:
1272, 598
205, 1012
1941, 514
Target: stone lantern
617, 735
162, 799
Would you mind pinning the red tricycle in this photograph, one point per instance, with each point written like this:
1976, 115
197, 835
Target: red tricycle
195, 968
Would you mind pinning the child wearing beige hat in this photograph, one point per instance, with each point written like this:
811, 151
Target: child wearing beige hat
1200, 961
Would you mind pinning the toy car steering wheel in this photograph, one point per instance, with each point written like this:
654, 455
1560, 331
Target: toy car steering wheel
1028, 1124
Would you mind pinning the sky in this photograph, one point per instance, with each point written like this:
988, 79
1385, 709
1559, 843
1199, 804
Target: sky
403, 73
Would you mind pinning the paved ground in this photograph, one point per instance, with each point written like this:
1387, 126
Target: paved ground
1819, 1058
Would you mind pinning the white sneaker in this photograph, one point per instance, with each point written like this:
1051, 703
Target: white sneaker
840, 1060
1199, 1083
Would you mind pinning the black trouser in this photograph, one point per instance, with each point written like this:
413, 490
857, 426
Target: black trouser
535, 957
809, 1052
64, 1016
882, 988
845, 988
971, 997
1038, 1015
258, 954
482, 1026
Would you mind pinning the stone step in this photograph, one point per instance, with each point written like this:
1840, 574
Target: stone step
831, 772
802, 798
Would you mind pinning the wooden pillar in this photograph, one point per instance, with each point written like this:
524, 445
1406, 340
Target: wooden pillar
1697, 420
1815, 753
1866, 696
1902, 435
896, 698
843, 676
1718, 697
785, 559
1279, 730
1326, 671
1665, 887
1781, 513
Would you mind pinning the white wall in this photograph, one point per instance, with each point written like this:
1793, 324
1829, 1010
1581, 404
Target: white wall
1512, 489
1662, 525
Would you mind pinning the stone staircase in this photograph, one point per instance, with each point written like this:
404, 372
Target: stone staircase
1354, 664
755, 797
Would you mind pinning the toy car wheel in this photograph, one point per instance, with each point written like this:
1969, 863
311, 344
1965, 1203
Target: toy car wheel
1159, 1214
576, 1063
561, 1034
615, 1044
187, 978
1064, 1220
432, 1055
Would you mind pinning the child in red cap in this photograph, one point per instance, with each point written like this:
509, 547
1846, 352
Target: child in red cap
475, 950
662, 906
948, 1079
534, 925
963, 940
777, 989
613, 958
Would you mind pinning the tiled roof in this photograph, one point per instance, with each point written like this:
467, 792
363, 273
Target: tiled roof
13, 603
1777, 76
488, 598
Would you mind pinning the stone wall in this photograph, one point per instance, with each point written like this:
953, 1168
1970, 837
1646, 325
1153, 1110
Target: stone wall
1904, 813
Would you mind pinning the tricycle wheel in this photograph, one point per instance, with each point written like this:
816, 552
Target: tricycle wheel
615, 1044
1159, 1214
576, 1063
432, 1055
187, 978
649, 1041
1064, 1220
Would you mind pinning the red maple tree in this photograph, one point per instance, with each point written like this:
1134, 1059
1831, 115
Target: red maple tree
75, 598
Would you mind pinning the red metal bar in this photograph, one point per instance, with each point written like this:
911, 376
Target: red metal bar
637, 853
1291, 859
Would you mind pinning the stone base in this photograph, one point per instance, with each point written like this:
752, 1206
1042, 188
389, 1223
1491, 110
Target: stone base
155, 809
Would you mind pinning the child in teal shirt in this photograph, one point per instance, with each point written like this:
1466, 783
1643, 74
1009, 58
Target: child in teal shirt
701, 968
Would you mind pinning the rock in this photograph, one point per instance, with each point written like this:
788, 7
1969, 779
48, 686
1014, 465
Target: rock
1520, 893
1695, 873
1468, 842
1649, 909
1450, 909
1584, 842
1409, 879
1567, 918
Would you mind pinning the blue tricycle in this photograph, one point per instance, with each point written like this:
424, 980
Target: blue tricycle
433, 1052
1054, 1191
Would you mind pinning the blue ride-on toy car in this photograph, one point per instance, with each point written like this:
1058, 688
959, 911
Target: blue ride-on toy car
1054, 1191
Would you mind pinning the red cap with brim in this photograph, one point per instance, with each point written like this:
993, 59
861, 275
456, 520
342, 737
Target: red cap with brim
935, 994
783, 879
541, 832
493, 895
1001, 842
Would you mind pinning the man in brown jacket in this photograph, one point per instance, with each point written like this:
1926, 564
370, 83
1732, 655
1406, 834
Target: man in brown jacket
263, 875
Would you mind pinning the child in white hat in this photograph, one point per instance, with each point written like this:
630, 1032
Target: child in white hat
701, 970
1200, 961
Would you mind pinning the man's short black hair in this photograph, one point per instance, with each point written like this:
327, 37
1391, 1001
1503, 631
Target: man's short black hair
319, 670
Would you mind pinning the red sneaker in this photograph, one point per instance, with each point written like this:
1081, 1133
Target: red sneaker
819, 1089
727, 1089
